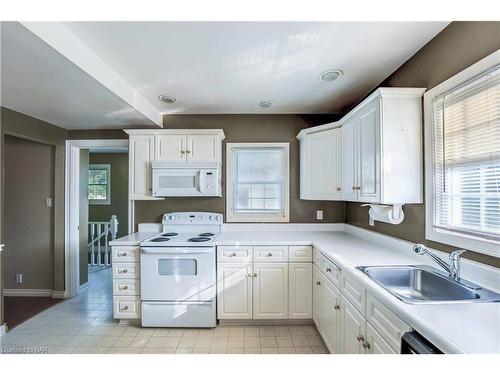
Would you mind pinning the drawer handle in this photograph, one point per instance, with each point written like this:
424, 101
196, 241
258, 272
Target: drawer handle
318, 282
366, 345
328, 269
123, 271
255, 275
249, 275
269, 254
336, 307
233, 254
360, 338
125, 308
125, 287
124, 254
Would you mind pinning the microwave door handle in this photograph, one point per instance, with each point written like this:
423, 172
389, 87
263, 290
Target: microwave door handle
201, 178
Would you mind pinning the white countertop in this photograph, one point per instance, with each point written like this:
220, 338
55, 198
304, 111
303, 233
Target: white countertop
453, 328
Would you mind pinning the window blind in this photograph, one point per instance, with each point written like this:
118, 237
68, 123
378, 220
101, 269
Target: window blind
467, 158
258, 182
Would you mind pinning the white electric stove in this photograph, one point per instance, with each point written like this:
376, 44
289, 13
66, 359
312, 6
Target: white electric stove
178, 281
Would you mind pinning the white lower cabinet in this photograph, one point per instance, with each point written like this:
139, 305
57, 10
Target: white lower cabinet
126, 283
299, 291
331, 316
234, 291
317, 298
353, 327
375, 344
270, 290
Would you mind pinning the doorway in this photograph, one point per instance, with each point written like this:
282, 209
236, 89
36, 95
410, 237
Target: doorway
28, 274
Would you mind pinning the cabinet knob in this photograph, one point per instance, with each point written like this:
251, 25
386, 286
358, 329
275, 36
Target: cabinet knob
124, 255
358, 187
183, 152
125, 287
354, 188
255, 275
318, 282
249, 275
233, 254
188, 151
339, 188
336, 307
360, 338
328, 269
269, 254
125, 308
366, 345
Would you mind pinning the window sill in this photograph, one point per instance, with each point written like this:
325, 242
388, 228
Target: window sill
255, 217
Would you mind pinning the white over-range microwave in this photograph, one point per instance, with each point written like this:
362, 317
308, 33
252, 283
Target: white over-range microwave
171, 179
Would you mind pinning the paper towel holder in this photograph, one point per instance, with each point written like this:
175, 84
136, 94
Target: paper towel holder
392, 214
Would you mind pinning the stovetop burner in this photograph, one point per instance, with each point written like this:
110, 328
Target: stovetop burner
169, 234
160, 239
199, 239
208, 234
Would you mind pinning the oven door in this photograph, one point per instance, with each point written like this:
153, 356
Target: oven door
177, 273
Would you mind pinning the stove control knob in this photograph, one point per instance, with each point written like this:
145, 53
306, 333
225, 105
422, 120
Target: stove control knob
171, 217
211, 217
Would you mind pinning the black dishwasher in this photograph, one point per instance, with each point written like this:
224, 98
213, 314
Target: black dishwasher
415, 343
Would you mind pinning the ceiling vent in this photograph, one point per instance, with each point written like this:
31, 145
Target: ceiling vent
331, 75
167, 99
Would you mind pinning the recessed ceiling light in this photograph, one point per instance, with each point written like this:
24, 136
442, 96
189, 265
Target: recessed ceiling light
167, 99
265, 104
331, 75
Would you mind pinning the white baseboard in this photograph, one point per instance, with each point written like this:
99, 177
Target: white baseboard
3, 329
59, 294
27, 292
83, 287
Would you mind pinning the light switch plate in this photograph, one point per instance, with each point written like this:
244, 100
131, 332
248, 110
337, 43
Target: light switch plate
19, 278
319, 215
48, 202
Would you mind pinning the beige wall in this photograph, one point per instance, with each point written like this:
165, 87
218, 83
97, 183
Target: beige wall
29, 224
119, 191
245, 128
458, 46
26, 127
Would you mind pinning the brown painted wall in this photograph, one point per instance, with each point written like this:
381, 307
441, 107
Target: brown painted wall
458, 46
28, 228
119, 191
247, 128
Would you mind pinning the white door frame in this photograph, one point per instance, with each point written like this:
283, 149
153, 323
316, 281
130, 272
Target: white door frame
72, 209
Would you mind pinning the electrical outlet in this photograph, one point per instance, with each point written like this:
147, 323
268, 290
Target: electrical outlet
319, 215
19, 278
48, 202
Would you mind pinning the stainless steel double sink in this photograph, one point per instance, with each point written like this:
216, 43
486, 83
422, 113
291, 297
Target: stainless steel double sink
424, 284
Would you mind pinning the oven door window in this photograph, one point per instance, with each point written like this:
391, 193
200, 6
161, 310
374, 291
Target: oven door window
177, 267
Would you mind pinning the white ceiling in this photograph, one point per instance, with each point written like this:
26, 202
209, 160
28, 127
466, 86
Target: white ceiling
210, 67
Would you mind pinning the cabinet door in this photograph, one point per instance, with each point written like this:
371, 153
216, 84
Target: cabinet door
170, 147
375, 343
349, 150
317, 298
331, 316
325, 158
234, 291
299, 291
202, 147
353, 328
270, 291
369, 153
141, 155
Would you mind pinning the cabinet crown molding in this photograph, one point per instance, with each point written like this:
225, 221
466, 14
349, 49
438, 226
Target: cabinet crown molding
217, 132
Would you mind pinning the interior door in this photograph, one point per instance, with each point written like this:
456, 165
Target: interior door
353, 327
349, 150
234, 291
270, 291
201, 147
369, 153
325, 165
331, 316
170, 147
300, 291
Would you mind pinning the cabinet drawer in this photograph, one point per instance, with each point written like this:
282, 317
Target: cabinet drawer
332, 271
234, 254
125, 254
270, 253
300, 254
354, 292
317, 258
126, 287
126, 271
385, 322
126, 307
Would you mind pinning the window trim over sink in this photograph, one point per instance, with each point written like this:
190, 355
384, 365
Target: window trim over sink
463, 239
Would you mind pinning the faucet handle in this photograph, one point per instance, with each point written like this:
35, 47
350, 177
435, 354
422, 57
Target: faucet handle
457, 254
420, 249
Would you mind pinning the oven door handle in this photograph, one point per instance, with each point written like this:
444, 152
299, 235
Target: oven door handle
177, 250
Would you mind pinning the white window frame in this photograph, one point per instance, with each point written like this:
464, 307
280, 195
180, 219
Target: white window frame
454, 239
106, 201
261, 217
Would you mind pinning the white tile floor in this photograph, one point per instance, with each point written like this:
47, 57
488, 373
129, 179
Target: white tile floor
84, 324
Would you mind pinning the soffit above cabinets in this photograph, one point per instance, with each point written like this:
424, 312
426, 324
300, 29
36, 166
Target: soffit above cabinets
82, 75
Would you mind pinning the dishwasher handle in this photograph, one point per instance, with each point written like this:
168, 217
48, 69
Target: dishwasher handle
415, 343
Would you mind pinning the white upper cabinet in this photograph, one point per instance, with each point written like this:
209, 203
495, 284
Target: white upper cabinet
168, 145
321, 163
379, 152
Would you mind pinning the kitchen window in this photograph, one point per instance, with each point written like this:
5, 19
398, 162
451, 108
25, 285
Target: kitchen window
258, 182
99, 184
463, 159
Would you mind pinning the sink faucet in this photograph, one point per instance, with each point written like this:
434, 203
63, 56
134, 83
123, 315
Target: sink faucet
453, 268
